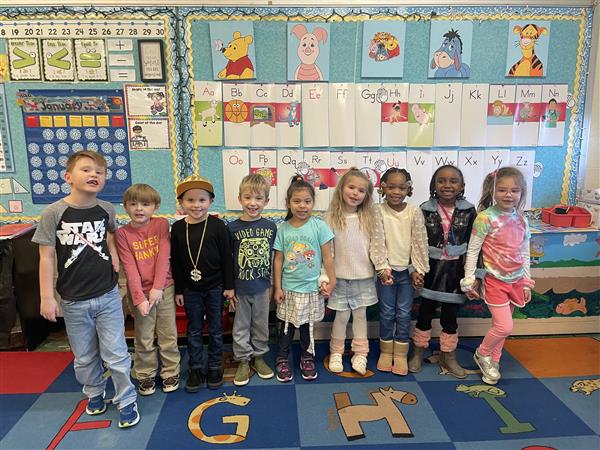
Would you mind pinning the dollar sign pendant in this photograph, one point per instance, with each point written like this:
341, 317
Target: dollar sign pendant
196, 275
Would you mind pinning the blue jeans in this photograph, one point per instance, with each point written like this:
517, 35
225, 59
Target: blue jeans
197, 304
395, 304
96, 332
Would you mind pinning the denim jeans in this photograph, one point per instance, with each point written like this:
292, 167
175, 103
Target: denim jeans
96, 332
199, 304
395, 304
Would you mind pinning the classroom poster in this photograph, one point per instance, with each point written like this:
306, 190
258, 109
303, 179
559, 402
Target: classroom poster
58, 60
394, 115
450, 49
208, 113
320, 175
90, 57
262, 115
24, 59
419, 164
235, 167
308, 47
421, 115
288, 106
264, 162
524, 161
342, 129
448, 104
382, 51
236, 114
527, 48
232, 50
553, 115
148, 134
147, 118
290, 162
146, 100
474, 115
471, 163
500, 115
315, 115
368, 98
527, 115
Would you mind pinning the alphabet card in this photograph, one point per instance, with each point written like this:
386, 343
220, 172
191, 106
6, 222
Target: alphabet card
494, 159
341, 115
308, 51
236, 114
24, 59
443, 158
450, 49
421, 115
373, 166
290, 162
473, 125
527, 115
315, 115
235, 167
264, 162
288, 109
394, 115
448, 101
367, 113
341, 162
208, 113
233, 55
383, 49
320, 175
554, 113
500, 115
419, 164
262, 115
524, 161
471, 163
527, 48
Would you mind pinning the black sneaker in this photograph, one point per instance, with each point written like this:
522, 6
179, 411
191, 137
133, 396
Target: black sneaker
214, 378
194, 381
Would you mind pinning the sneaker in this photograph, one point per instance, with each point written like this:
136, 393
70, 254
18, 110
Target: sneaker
308, 368
96, 405
261, 368
335, 363
147, 386
359, 364
170, 384
128, 416
242, 374
489, 373
214, 378
195, 380
283, 370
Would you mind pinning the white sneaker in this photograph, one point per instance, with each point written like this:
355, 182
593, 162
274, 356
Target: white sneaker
335, 363
489, 372
359, 364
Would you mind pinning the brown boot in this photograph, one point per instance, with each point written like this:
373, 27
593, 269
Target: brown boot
400, 364
448, 361
386, 348
414, 363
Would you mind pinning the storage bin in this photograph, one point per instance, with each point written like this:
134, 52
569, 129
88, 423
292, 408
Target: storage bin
575, 216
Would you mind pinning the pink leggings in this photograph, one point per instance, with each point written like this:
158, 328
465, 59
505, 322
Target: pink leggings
502, 325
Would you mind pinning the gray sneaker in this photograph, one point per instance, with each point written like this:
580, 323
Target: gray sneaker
489, 370
261, 368
242, 374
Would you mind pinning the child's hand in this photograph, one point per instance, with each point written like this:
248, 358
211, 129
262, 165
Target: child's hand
233, 303
144, 308
115, 264
473, 293
326, 289
417, 280
279, 296
229, 294
527, 294
155, 296
386, 277
49, 309
179, 299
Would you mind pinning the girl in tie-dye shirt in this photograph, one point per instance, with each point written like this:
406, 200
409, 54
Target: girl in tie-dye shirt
501, 233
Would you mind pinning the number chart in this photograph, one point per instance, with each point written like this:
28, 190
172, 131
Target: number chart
59, 123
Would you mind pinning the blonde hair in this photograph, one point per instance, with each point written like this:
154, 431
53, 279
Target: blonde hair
489, 186
335, 214
141, 192
94, 156
255, 183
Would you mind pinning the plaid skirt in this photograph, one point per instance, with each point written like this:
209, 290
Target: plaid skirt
299, 308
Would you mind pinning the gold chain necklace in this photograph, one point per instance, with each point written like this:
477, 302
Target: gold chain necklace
195, 274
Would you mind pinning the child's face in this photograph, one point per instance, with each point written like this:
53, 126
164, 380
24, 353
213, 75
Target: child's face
448, 184
253, 204
354, 192
395, 189
86, 176
195, 203
140, 212
301, 204
507, 193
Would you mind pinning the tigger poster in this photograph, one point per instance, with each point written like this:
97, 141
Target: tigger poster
527, 48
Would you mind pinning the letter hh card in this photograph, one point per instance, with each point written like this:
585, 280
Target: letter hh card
394, 115
554, 113
367, 114
471, 163
421, 115
236, 114
315, 115
264, 162
341, 115
527, 115
208, 113
235, 167
500, 115
474, 115
262, 115
288, 107
448, 102
289, 163
420, 166
320, 175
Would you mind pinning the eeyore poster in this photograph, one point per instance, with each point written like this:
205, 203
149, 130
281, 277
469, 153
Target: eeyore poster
383, 49
450, 49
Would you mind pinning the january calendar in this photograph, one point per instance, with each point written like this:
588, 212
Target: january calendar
59, 123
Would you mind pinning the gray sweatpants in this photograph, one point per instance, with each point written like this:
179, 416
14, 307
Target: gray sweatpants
251, 326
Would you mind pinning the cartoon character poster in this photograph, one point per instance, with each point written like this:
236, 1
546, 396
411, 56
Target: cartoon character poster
233, 54
383, 49
308, 51
450, 49
527, 49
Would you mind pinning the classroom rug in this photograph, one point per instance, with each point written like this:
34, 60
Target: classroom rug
548, 398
